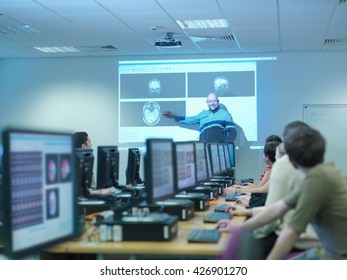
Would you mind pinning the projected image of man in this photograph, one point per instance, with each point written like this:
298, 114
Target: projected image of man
216, 124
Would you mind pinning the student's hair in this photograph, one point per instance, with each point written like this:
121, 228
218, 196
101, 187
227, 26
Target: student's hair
270, 150
292, 125
273, 137
80, 138
305, 146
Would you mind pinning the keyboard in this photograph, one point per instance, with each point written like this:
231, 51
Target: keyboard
221, 208
214, 217
231, 197
200, 235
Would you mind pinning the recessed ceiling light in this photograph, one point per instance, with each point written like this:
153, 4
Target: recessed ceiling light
57, 49
13, 29
205, 23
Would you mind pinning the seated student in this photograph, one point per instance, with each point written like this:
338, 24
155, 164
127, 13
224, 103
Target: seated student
81, 139
257, 192
283, 179
320, 200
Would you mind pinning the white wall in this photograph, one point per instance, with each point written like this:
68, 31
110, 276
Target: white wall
81, 93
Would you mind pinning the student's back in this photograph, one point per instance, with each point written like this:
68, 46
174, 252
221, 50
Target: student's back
323, 200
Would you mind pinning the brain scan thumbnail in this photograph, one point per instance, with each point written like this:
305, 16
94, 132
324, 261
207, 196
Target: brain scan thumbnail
154, 86
151, 113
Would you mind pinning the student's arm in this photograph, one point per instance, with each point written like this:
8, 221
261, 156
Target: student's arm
265, 178
284, 243
269, 214
256, 189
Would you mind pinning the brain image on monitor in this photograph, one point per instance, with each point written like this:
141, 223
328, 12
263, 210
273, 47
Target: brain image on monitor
39, 194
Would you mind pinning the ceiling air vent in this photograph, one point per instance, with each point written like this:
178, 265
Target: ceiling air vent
97, 48
335, 42
198, 39
109, 47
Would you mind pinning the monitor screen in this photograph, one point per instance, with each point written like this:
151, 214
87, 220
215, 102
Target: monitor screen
231, 147
201, 162
132, 172
84, 161
227, 157
214, 158
222, 159
159, 170
208, 159
184, 155
39, 194
107, 167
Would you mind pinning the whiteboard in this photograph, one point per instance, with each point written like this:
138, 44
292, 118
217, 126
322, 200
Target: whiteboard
331, 121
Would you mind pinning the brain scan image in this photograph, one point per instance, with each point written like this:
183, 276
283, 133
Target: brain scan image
151, 113
154, 86
221, 83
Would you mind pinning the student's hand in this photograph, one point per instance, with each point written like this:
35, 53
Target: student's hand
242, 202
105, 191
229, 190
239, 210
168, 114
227, 226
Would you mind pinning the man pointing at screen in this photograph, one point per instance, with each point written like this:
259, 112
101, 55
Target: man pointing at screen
216, 124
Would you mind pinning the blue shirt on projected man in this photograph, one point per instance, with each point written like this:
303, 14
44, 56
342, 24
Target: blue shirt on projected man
216, 124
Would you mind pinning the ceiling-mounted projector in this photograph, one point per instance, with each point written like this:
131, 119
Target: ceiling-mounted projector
168, 42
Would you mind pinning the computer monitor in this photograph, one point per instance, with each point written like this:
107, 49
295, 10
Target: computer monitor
132, 172
159, 170
184, 162
213, 147
40, 193
222, 159
107, 167
201, 162
231, 147
84, 161
208, 160
227, 157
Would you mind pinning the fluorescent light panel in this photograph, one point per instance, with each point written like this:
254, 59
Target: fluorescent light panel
57, 49
13, 29
201, 24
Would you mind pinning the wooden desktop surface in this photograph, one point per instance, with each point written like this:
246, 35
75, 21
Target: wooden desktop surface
179, 246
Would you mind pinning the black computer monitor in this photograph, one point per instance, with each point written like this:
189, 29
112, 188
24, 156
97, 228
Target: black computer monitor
201, 162
208, 160
184, 163
84, 161
231, 147
159, 170
227, 157
213, 149
132, 172
40, 193
222, 158
107, 167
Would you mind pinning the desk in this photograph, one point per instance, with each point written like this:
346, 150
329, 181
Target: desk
177, 248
